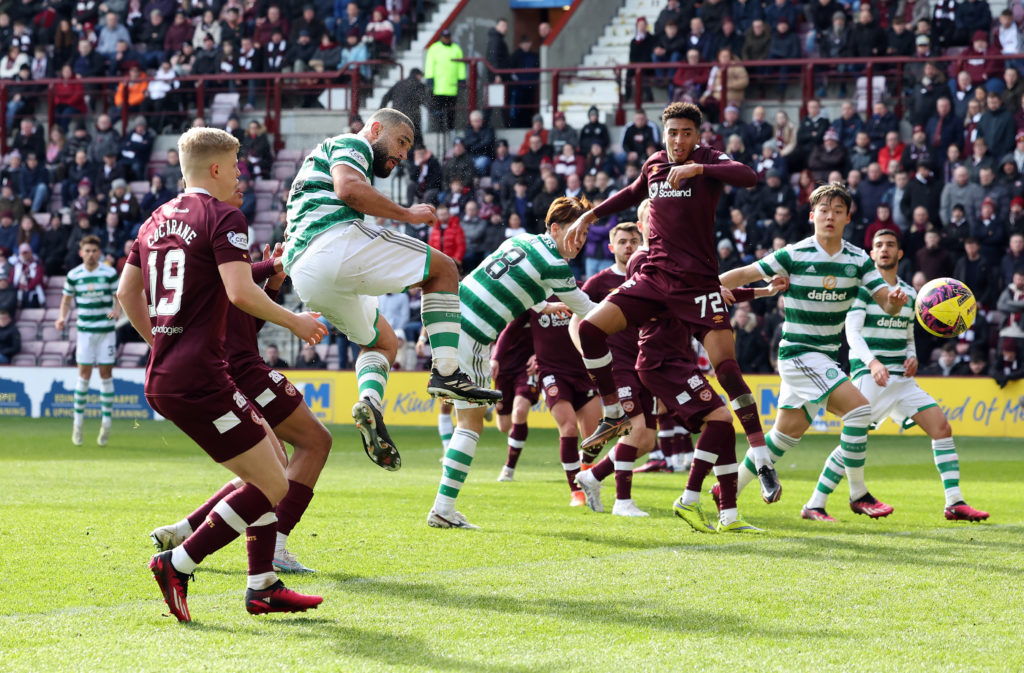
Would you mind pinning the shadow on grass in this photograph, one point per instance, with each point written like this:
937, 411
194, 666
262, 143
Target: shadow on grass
602, 610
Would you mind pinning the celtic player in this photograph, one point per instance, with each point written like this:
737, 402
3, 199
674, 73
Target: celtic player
518, 275
340, 264
825, 273
92, 286
882, 364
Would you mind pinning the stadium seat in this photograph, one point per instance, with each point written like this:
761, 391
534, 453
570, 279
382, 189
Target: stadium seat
265, 202
34, 315
261, 232
51, 314
55, 347
224, 104
138, 187
283, 171
55, 282
51, 333
134, 349
291, 155
51, 361
28, 331
53, 298
267, 186
42, 219
266, 217
33, 348
23, 360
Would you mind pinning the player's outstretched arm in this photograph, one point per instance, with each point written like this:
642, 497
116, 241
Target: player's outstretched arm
131, 294
891, 301
741, 276
357, 193
246, 295
859, 348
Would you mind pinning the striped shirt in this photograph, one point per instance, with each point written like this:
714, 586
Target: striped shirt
313, 207
873, 333
522, 272
821, 289
93, 292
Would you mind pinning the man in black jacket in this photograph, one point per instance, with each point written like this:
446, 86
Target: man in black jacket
497, 49
478, 139
424, 177
406, 96
10, 338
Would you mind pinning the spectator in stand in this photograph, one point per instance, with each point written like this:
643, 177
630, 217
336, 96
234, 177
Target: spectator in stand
976, 61
408, 96
35, 185
248, 206
736, 80
310, 359
669, 47
29, 139
890, 155
875, 188
107, 174
1007, 367
948, 363
154, 34
1007, 37
105, 140
537, 129
879, 125
551, 190
10, 337
27, 278
456, 197
502, 162
990, 233
770, 159
861, 155
157, 195
447, 236
302, 52
971, 17
917, 151
925, 93
641, 50
30, 232
636, 137
1014, 257
272, 357
848, 125
745, 12
123, 203
1011, 304
568, 162
478, 140
562, 134
784, 45
827, 157
84, 227
698, 38
1013, 90
997, 126
810, 134
54, 246
975, 271
346, 18
256, 151
997, 191
265, 26
979, 159
756, 42
943, 127
444, 77
752, 347
308, 21
933, 260
785, 136
475, 230
962, 91
460, 165
497, 48
732, 124
276, 57
80, 169
380, 34
68, 98
522, 95
112, 32
172, 172
8, 234
424, 177
594, 132
538, 155
867, 39
130, 95
713, 13
925, 191
899, 40
178, 34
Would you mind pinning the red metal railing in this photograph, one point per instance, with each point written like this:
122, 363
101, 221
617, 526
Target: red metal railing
271, 85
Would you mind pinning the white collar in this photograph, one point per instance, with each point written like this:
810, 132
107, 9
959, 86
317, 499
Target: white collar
197, 190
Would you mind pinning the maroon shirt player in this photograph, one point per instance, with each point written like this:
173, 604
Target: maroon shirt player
512, 351
636, 401
680, 276
190, 257
568, 390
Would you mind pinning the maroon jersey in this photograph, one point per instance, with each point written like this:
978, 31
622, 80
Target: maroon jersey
514, 346
664, 339
682, 220
240, 343
623, 345
556, 354
178, 250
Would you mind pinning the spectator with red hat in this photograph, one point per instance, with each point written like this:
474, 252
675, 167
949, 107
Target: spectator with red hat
976, 60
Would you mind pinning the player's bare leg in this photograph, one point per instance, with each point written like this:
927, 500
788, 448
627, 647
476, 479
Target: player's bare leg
568, 440
620, 460
372, 368
514, 425
721, 348
455, 469
441, 313
594, 330
934, 423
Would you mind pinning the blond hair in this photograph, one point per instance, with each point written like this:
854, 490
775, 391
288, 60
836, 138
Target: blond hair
641, 211
201, 146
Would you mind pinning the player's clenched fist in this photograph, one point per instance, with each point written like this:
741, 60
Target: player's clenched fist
422, 213
308, 328
679, 173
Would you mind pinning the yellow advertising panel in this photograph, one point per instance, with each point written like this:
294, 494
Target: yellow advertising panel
974, 406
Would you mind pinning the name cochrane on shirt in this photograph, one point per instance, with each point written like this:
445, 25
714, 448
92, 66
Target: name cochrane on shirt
172, 228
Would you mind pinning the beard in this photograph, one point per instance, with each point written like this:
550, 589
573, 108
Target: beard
380, 159
888, 267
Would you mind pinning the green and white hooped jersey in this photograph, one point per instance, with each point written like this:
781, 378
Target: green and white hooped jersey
822, 288
522, 272
313, 207
93, 292
873, 333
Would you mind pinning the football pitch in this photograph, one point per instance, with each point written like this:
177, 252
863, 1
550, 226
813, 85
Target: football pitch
541, 588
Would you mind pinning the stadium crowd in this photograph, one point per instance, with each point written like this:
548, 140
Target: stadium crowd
947, 176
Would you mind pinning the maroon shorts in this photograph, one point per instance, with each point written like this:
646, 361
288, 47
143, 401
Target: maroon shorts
577, 390
684, 390
635, 397
650, 293
225, 423
515, 385
270, 390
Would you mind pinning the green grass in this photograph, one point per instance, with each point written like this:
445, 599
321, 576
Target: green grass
541, 588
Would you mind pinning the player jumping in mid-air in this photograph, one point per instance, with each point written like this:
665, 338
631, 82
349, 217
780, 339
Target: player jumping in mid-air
92, 286
825, 273
339, 265
190, 259
285, 411
684, 183
519, 274
510, 369
883, 361
636, 401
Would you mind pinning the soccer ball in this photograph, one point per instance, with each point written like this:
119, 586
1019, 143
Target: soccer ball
945, 307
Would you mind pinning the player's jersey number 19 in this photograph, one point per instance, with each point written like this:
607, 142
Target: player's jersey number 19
172, 280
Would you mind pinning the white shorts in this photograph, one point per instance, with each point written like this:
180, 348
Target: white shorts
96, 348
475, 361
899, 400
346, 268
807, 381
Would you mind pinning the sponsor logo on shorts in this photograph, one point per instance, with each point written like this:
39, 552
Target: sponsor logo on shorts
239, 399
717, 319
255, 417
706, 394
625, 391
829, 282
628, 406
694, 382
548, 381
276, 376
239, 240
831, 374
551, 391
683, 398
290, 390
166, 329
